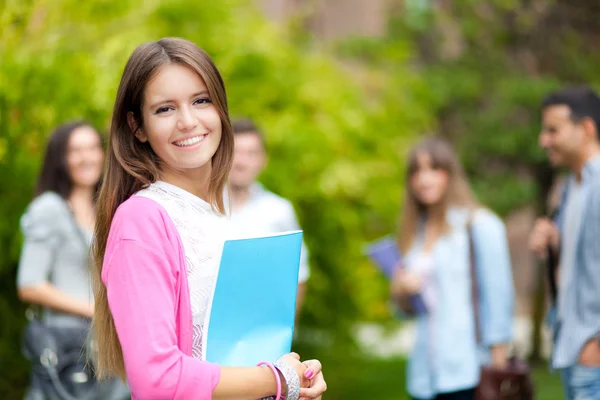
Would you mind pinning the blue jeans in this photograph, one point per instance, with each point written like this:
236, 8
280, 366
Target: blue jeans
581, 383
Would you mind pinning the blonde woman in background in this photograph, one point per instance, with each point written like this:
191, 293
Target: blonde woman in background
438, 214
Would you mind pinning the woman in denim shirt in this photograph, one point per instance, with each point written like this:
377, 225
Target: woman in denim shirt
439, 206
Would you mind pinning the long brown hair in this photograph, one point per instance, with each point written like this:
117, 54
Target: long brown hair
458, 192
131, 166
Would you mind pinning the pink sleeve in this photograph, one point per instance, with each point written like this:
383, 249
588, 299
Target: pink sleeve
142, 297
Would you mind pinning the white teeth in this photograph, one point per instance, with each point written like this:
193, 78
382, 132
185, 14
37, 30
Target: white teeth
189, 142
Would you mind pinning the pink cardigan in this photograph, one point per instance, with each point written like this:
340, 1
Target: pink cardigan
144, 273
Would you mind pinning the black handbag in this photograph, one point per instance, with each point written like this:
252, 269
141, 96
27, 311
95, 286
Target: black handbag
59, 366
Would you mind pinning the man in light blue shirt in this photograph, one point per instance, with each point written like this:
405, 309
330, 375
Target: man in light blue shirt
256, 211
571, 137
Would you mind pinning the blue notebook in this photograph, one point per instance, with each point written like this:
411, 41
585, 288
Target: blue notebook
386, 256
251, 318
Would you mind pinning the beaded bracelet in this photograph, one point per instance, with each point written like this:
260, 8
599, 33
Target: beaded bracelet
291, 379
277, 379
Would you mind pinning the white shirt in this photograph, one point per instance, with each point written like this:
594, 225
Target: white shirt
203, 233
572, 223
266, 213
423, 263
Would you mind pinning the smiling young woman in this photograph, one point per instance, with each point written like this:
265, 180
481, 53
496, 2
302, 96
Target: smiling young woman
161, 231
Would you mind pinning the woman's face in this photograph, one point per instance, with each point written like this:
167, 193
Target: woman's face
428, 184
84, 157
181, 122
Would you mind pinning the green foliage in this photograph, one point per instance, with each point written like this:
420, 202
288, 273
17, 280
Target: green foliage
488, 66
484, 68
335, 142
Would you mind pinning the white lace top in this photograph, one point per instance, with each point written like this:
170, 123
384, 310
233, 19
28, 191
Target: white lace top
202, 233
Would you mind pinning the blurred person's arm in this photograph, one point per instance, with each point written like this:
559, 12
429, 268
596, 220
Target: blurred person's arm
47, 295
303, 275
403, 285
289, 222
494, 284
499, 354
300, 298
42, 241
545, 234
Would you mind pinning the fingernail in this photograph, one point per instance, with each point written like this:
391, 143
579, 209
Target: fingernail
309, 373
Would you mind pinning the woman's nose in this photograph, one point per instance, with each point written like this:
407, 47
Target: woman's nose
187, 121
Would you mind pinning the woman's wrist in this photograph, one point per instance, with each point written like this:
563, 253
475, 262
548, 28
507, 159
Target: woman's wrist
499, 354
246, 382
87, 310
291, 379
284, 388
271, 392
396, 288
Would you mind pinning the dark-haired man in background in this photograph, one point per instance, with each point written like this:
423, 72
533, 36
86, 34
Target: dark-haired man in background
570, 137
255, 210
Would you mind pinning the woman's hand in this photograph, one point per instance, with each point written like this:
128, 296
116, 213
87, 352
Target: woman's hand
314, 382
499, 354
406, 283
293, 360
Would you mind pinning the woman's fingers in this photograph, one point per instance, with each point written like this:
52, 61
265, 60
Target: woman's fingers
317, 387
313, 367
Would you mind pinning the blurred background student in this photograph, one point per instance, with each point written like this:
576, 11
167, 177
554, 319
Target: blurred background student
571, 139
439, 215
54, 270
255, 210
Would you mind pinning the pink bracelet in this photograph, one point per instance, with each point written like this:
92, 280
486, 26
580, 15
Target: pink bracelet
277, 378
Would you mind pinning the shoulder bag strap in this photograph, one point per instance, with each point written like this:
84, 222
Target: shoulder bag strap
474, 286
80, 235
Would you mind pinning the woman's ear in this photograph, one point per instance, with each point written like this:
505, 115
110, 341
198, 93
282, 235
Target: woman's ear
135, 128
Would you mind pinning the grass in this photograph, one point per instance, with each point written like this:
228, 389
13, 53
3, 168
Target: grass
353, 376
357, 377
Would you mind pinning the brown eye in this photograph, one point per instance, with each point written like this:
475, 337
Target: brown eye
162, 110
203, 100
